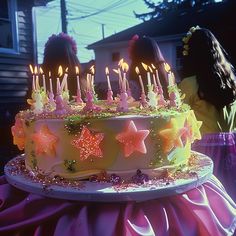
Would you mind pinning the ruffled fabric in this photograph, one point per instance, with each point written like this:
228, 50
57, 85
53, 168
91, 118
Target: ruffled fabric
221, 148
206, 210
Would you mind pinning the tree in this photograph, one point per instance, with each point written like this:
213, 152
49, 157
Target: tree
161, 7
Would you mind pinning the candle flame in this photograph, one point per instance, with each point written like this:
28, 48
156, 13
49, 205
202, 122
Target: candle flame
66, 71
49, 74
153, 66
137, 70
77, 70
144, 66
60, 71
121, 61
150, 69
40, 70
36, 70
92, 69
116, 71
31, 69
167, 67
125, 67
107, 70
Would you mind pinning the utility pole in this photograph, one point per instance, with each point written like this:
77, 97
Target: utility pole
63, 16
103, 31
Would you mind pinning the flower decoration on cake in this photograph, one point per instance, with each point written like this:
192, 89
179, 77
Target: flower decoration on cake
88, 144
133, 139
45, 141
187, 38
171, 135
18, 134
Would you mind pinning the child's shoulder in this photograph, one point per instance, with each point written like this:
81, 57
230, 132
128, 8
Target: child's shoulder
189, 83
189, 80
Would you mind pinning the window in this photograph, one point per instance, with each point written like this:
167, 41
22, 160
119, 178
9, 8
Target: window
115, 56
8, 29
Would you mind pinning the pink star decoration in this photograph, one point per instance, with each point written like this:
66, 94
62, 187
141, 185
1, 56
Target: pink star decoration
45, 141
88, 144
133, 139
18, 134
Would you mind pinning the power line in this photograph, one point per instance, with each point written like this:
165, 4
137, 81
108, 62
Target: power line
108, 8
108, 12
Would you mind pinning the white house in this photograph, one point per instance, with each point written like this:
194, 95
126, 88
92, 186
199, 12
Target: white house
168, 31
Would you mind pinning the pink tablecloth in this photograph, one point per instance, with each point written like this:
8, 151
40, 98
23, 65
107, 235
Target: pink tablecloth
221, 148
206, 210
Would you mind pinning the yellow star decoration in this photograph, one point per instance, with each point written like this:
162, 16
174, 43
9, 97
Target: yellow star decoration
45, 141
171, 135
195, 126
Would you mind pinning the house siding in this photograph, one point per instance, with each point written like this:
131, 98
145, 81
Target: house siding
14, 67
14, 79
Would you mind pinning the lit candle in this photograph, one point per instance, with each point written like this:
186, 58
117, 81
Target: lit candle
148, 75
51, 94
125, 68
50, 81
33, 82
37, 87
143, 101
140, 79
44, 81
157, 84
92, 74
88, 82
108, 79
109, 91
167, 69
157, 78
78, 97
119, 73
119, 76
148, 78
77, 77
172, 78
58, 86
153, 77
92, 69
60, 72
64, 84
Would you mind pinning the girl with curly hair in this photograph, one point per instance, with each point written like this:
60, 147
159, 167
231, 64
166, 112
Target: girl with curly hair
61, 50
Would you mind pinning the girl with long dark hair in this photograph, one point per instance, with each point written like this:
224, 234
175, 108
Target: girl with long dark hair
210, 90
146, 50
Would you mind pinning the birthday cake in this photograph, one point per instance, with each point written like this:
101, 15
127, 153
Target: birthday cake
113, 137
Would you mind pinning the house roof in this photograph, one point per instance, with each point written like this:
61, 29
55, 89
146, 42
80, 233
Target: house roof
218, 17
41, 2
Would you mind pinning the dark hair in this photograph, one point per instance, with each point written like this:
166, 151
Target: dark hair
145, 49
60, 50
214, 73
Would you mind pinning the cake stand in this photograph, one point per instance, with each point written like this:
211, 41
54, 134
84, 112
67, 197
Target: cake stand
198, 174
